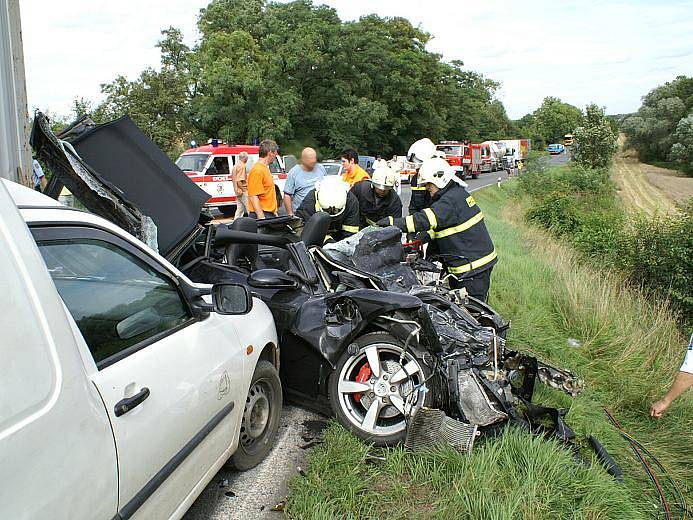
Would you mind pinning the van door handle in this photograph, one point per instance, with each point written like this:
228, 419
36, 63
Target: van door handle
125, 405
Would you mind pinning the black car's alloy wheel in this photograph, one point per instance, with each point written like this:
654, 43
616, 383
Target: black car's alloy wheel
372, 393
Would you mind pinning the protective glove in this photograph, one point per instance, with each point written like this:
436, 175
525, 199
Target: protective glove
384, 222
423, 237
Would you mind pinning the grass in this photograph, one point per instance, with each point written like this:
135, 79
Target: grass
630, 349
669, 165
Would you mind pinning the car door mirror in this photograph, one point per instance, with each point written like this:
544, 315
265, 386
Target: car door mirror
231, 298
271, 279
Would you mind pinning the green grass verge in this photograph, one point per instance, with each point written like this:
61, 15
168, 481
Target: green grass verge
630, 348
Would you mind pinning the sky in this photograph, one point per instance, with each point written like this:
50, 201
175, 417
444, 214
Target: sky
608, 52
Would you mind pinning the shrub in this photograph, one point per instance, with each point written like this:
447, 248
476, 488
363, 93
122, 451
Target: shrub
557, 212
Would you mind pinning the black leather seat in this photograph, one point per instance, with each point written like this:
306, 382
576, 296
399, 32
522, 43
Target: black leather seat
315, 229
243, 255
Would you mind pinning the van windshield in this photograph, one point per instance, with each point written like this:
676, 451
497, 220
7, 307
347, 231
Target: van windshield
194, 162
275, 167
450, 150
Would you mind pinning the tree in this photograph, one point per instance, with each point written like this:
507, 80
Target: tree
158, 101
595, 141
682, 149
553, 119
651, 129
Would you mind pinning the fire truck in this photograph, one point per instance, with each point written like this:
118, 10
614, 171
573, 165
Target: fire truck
210, 167
466, 158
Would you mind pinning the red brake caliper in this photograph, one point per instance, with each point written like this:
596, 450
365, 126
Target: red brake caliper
363, 376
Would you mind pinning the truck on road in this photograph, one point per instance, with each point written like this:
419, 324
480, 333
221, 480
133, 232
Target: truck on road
516, 150
466, 158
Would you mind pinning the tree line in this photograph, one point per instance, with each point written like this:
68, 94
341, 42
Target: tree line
662, 128
296, 73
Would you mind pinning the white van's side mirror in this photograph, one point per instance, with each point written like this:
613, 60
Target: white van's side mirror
231, 298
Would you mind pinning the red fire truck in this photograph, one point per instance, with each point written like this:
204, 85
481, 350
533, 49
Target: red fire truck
210, 167
466, 158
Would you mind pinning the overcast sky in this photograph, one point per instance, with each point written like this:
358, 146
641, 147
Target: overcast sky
610, 52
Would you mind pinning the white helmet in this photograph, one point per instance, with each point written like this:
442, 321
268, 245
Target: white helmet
436, 171
420, 151
331, 193
384, 178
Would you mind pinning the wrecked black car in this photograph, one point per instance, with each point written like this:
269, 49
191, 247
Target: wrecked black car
367, 332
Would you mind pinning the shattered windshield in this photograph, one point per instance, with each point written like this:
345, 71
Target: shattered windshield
194, 162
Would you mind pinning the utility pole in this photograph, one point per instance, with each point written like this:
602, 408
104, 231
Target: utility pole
15, 154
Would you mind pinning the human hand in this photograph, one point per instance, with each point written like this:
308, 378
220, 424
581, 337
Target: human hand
659, 408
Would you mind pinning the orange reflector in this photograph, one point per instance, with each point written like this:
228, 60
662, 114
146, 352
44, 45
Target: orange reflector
249, 349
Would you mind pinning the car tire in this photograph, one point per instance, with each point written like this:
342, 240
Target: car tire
475, 175
260, 418
351, 408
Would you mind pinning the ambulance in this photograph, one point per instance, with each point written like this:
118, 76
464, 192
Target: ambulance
210, 166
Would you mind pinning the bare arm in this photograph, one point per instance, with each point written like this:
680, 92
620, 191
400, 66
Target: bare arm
288, 204
682, 382
255, 201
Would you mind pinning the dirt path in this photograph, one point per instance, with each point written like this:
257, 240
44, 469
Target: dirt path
647, 188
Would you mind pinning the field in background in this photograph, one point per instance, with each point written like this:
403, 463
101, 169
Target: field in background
648, 188
629, 349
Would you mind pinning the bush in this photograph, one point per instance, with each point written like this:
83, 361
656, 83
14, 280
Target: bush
580, 204
557, 212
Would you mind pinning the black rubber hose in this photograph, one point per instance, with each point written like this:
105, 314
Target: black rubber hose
607, 460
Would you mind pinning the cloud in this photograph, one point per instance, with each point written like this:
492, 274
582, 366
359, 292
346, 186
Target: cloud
610, 52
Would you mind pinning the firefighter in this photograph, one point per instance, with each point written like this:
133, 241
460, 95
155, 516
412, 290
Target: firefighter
455, 226
378, 198
418, 152
332, 195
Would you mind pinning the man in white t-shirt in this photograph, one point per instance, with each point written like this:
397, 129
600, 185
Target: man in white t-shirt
682, 382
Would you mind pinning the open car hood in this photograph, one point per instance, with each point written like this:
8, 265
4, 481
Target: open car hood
118, 173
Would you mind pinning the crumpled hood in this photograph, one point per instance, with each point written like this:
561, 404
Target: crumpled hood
119, 174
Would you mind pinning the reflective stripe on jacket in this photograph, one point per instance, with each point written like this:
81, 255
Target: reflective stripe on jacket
420, 198
341, 226
456, 224
373, 208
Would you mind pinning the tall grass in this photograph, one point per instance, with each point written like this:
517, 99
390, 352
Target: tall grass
629, 349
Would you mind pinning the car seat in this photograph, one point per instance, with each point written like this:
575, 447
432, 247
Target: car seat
315, 229
243, 255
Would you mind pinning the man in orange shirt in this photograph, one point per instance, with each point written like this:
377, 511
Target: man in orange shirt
262, 199
352, 172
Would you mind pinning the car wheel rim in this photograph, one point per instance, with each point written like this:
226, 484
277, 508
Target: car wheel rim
380, 405
256, 414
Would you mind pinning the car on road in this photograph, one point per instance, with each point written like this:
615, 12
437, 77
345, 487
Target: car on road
555, 148
332, 167
126, 385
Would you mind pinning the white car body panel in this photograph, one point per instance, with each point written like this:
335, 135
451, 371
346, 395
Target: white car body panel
55, 436
192, 375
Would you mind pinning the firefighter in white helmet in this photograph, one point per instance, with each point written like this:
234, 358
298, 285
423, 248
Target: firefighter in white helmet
378, 198
418, 152
331, 195
454, 224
